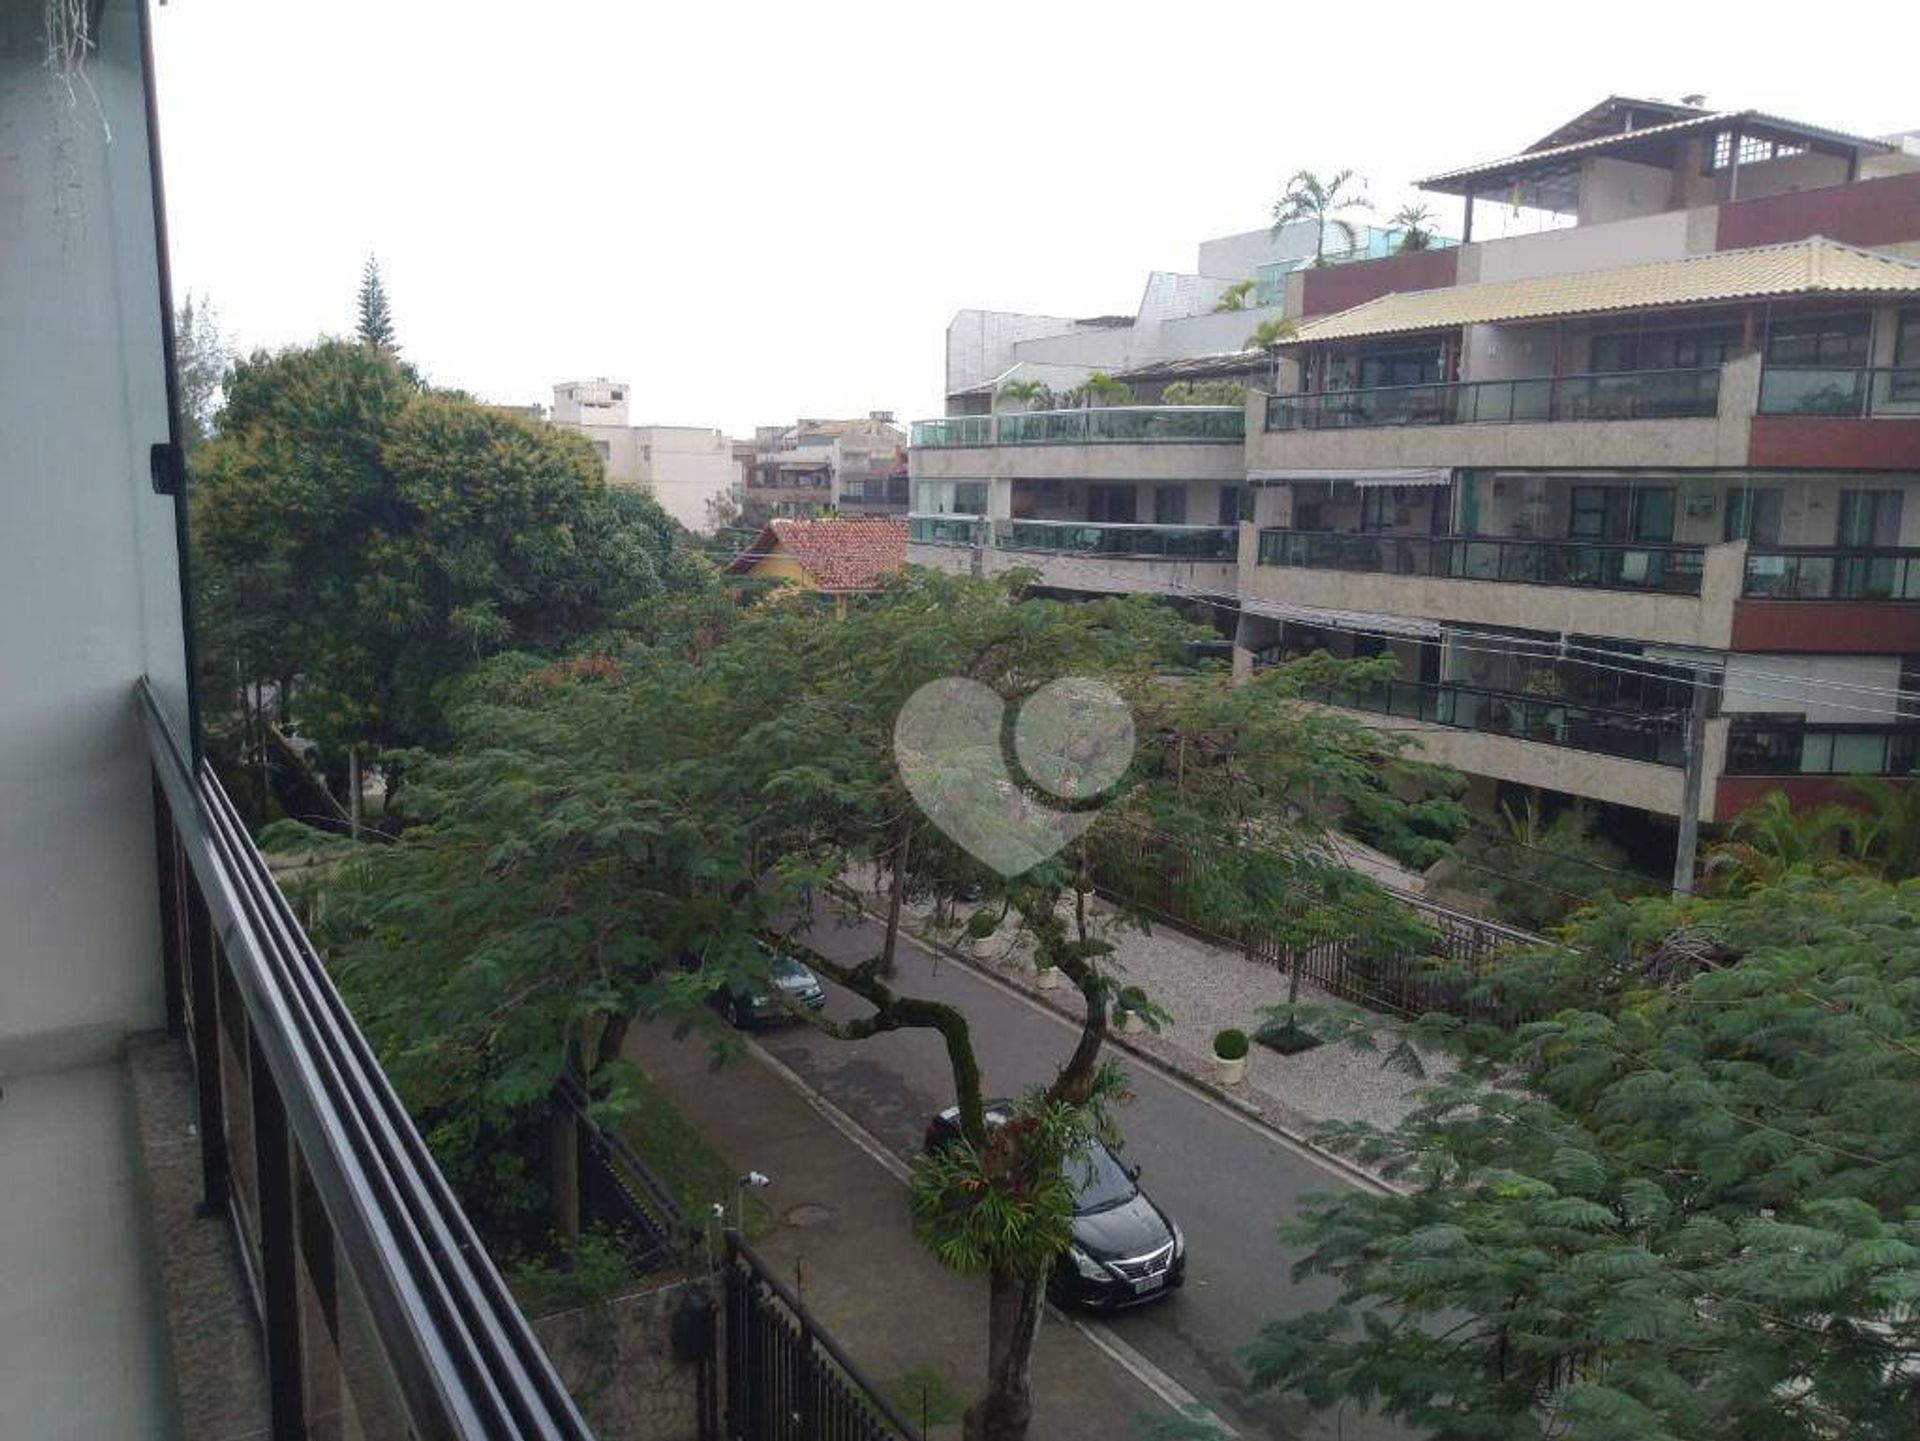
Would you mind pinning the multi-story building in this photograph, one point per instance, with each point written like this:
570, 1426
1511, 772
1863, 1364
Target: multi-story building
813, 466
1670, 441
684, 467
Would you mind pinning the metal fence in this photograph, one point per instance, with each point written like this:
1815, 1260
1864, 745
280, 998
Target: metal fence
1439, 975
620, 1193
1623, 395
787, 1380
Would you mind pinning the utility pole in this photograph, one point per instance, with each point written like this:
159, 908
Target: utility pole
1696, 759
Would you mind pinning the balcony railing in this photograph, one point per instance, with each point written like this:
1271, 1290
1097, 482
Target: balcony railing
1627, 395
946, 529
375, 1290
1126, 424
1760, 747
1597, 565
1830, 391
1155, 542
1833, 573
1630, 735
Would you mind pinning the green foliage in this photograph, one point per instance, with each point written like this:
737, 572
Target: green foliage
1322, 200
1270, 334
1684, 1211
375, 325
1415, 224
1030, 394
1230, 1044
1533, 873
1204, 392
1098, 389
201, 356
564, 1277
360, 543
1235, 296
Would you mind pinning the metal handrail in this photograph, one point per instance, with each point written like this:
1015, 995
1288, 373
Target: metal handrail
1085, 425
1895, 759
1832, 572
1676, 568
1859, 391
1518, 400
460, 1350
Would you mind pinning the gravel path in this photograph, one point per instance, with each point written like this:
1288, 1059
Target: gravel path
1206, 988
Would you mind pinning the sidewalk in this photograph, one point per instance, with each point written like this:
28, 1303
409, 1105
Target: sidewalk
1205, 988
842, 1238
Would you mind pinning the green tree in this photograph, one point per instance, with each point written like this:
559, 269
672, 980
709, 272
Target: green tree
596, 822
1680, 1207
201, 356
1205, 392
1235, 296
1099, 389
1268, 336
1323, 201
361, 542
1415, 224
375, 326
1028, 394
1770, 837
1533, 872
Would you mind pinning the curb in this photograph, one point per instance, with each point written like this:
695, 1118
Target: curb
1247, 1112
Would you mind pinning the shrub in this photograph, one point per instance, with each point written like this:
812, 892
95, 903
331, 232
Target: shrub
1230, 1044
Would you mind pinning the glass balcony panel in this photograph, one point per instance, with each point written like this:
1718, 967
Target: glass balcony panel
1822, 391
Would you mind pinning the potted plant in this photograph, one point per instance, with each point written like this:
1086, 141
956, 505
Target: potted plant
1230, 1056
1129, 1010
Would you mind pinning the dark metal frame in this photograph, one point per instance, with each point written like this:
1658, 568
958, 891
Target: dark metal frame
461, 1356
788, 1380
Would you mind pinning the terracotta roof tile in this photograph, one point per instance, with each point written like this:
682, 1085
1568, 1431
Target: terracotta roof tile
840, 553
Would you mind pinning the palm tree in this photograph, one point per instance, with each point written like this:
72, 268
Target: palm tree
1308, 197
1100, 389
1768, 838
1234, 297
1028, 394
1888, 835
1412, 221
1269, 335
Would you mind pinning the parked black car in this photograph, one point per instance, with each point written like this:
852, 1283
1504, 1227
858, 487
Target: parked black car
1125, 1249
748, 1005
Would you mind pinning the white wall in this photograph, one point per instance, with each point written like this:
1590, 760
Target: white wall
980, 342
86, 551
1803, 685
1237, 257
1582, 247
684, 466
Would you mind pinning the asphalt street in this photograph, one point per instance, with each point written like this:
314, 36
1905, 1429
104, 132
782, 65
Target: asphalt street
1228, 1183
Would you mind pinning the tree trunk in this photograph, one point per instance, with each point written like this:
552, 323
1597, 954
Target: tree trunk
353, 790
1013, 1321
897, 865
563, 1172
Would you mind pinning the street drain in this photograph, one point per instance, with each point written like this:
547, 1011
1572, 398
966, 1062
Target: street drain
808, 1215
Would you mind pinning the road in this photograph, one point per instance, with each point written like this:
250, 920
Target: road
1227, 1182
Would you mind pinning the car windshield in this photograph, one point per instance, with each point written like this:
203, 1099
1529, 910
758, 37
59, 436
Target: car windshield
784, 968
1098, 1180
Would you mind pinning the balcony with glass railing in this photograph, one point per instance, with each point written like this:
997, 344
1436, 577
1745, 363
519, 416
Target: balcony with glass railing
1113, 425
1599, 565
1654, 737
1150, 542
946, 529
1850, 393
1832, 573
1627, 395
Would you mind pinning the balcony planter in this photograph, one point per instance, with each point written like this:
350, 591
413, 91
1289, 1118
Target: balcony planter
1230, 1057
1049, 977
1129, 1010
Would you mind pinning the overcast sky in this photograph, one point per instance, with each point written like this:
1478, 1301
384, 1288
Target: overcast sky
753, 213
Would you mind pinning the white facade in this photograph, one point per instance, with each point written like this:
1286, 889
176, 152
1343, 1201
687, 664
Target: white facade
681, 466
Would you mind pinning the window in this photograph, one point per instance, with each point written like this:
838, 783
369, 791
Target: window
1869, 518
1837, 340
1111, 504
605, 451
1753, 515
1614, 513
1169, 505
1906, 338
1399, 367
1377, 505
1696, 349
1229, 512
950, 497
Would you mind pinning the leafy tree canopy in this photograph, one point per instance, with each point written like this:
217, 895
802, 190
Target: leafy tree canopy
1685, 1210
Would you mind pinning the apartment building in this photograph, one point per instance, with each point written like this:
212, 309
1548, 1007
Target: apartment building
1670, 441
684, 467
856, 466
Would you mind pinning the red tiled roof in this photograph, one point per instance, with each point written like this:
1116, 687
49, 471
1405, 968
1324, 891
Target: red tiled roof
840, 553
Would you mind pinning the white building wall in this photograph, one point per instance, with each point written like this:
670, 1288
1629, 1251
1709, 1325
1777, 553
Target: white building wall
1581, 248
1805, 685
86, 551
599, 402
980, 343
684, 466
1237, 257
